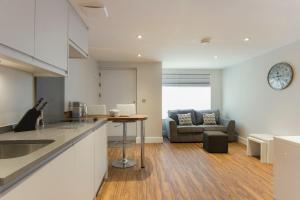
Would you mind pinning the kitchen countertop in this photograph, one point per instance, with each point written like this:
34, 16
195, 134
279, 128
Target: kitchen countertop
295, 140
65, 135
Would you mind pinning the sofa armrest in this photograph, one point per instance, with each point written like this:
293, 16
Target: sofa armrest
230, 128
171, 128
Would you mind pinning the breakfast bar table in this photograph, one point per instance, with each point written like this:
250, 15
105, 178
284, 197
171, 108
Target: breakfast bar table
124, 162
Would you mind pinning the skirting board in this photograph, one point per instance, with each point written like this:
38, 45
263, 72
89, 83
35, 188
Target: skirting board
242, 140
150, 140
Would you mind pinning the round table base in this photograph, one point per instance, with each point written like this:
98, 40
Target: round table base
123, 163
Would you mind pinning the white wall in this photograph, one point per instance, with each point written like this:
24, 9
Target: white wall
17, 88
82, 83
256, 107
215, 79
149, 88
16, 95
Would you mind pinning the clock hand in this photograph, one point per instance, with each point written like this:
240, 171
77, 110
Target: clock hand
276, 76
280, 82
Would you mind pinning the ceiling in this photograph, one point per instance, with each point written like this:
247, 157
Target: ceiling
172, 30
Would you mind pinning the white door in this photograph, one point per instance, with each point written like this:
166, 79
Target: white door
118, 86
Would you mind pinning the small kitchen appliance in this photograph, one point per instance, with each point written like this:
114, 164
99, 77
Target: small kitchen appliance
79, 109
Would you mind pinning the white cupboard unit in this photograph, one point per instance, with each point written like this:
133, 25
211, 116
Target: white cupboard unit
51, 32
84, 152
75, 174
37, 36
17, 25
78, 35
53, 181
286, 168
100, 149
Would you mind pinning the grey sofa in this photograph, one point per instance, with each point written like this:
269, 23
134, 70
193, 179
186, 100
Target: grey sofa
194, 133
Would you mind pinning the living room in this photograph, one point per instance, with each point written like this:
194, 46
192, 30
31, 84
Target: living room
140, 99
234, 76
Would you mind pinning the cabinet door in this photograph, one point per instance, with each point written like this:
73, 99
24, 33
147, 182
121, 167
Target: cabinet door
84, 167
17, 24
78, 32
100, 148
51, 32
53, 181
286, 170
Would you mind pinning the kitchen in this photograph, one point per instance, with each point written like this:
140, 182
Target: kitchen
41, 39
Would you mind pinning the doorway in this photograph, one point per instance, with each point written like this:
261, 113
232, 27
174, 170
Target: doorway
119, 86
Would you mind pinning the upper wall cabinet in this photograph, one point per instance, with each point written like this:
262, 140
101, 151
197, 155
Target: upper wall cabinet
37, 36
51, 32
78, 35
17, 25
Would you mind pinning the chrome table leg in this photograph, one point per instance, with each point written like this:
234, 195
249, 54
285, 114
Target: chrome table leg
142, 144
124, 162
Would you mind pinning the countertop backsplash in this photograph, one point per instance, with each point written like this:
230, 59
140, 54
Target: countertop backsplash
17, 93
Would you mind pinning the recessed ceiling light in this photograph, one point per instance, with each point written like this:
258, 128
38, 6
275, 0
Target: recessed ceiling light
216, 57
139, 37
139, 55
246, 39
205, 41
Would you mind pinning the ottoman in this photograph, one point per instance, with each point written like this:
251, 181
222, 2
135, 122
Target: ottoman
215, 142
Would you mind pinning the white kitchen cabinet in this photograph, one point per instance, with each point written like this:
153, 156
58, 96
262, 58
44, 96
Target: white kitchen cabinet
75, 174
84, 167
17, 25
51, 32
39, 36
100, 157
78, 35
53, 181
286, 168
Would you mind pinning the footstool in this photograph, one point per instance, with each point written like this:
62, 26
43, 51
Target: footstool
215, 142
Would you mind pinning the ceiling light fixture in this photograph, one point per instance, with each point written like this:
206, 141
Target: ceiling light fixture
246, 39
139, 37
216, 57
205, 41
139, 55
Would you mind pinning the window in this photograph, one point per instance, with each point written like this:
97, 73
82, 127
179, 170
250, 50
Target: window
185, 97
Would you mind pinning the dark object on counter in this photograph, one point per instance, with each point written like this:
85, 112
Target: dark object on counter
28, 121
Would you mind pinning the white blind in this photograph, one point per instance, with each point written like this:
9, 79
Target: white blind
170, 79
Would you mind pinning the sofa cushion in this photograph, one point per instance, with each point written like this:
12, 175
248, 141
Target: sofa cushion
189, 129
199, 115
173, 114
185, 119
209, 119
213, 127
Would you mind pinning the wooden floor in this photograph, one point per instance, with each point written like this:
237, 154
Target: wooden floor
186, 171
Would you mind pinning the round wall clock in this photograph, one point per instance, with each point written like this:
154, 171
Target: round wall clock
280, 76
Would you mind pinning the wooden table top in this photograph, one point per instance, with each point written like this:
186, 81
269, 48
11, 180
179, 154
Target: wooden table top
120, 118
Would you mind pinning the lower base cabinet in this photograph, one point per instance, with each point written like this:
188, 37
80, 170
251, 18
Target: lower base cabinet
286, 169
84, 167
76, 174
100, 164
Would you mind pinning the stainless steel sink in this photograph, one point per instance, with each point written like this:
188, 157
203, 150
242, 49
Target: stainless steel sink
17, 148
